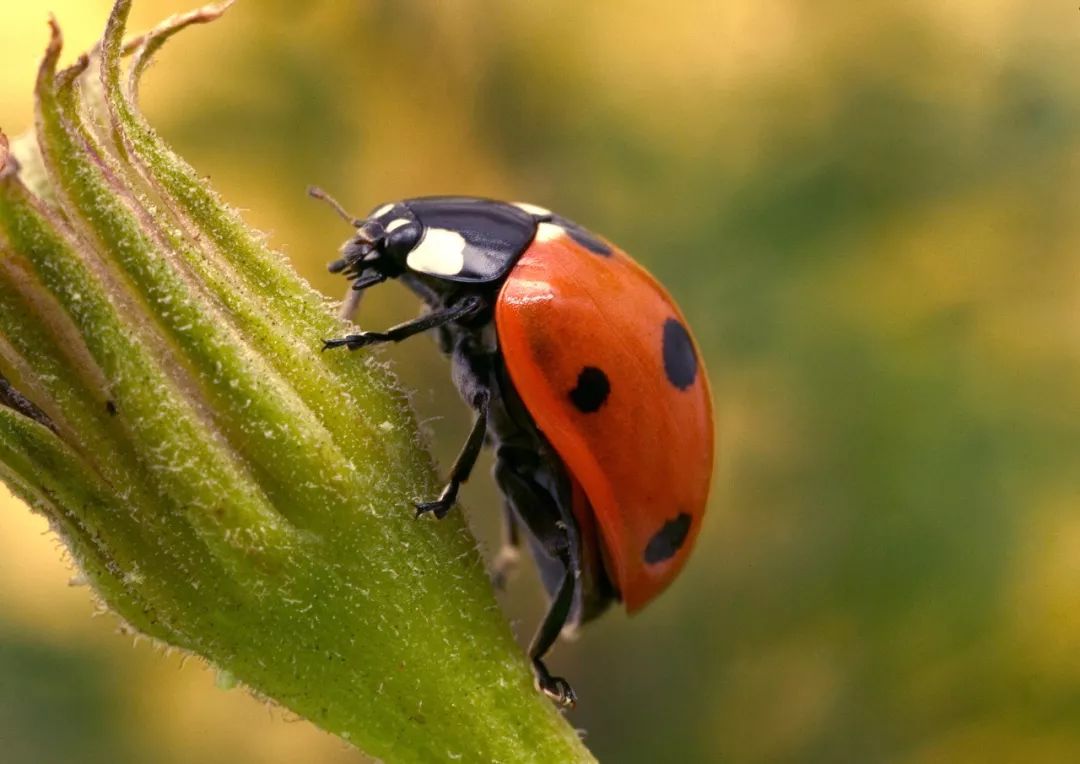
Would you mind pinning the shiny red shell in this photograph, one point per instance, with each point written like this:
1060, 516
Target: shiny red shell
568, 317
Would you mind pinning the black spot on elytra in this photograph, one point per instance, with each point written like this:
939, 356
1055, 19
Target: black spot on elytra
592, 390
110, 407
668, 540
583, 236
680, 361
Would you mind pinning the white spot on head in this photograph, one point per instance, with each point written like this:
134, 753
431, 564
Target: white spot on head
532, 209
393, 225
441, 253
546, 232
382, 210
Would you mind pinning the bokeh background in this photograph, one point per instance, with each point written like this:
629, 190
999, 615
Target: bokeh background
868, 213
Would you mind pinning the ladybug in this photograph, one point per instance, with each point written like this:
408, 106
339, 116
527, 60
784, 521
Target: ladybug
584, 379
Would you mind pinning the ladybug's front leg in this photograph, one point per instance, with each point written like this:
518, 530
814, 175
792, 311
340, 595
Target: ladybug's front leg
467, 307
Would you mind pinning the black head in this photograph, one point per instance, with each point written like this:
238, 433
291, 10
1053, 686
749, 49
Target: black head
442, 238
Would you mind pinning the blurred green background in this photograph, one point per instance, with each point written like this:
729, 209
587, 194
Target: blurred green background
867, 212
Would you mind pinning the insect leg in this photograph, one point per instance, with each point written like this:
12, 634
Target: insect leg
463, 309
463, 465
555, 687
506, 560
540, 514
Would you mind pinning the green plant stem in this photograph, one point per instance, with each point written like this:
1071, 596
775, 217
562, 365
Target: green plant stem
226, 487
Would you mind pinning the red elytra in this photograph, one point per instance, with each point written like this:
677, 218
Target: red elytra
644, 458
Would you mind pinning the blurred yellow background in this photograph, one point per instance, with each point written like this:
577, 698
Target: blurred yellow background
867, 212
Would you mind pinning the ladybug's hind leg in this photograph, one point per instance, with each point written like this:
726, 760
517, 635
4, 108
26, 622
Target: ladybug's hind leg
538, 510
555, 687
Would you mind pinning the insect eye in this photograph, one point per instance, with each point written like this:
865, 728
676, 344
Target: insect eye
371, 231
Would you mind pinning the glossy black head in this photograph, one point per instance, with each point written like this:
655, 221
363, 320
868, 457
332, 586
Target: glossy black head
448, 238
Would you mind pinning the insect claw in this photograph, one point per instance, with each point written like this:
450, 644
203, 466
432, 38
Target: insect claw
558, 690
438, 508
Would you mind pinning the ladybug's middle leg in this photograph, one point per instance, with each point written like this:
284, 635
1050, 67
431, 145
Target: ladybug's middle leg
463, 465
472, 374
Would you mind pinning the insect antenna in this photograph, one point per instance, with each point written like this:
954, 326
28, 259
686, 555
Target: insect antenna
317, 193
